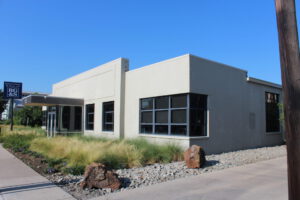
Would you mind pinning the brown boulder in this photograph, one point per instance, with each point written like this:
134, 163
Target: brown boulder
194, 157
96, 175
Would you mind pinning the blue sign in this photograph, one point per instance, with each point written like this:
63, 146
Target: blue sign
12, 90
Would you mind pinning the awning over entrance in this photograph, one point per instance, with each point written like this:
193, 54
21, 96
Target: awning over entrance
42, 100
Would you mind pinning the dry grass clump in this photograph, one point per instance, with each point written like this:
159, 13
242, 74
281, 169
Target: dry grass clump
21, 130
78, 152
20, 138
73, 153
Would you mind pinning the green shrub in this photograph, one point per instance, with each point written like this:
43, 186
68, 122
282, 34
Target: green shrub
91, 138
54, 162
153, 153
22, 130
17, 142
75, 170
79, 151
29, 115
72, 154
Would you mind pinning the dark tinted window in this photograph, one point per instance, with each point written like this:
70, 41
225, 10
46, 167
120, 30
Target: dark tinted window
179, 116
198, 101
197, 130
108, 116
147, 104
108, 127
171, 114
272, 112
178, 101
161, 129
90, 108
146, 129
78, 118
161, 116
146, 117
178, 130
198, 113
44, 121
162, 102
89, 123
66, 113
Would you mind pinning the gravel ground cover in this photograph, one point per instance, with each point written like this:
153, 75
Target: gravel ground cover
157, 173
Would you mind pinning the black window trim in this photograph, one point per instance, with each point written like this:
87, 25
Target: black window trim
187, 108
103, 116
278, 99
86, 118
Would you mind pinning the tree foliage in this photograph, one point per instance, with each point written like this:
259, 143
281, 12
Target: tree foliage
281, 115
29, 116
3, 102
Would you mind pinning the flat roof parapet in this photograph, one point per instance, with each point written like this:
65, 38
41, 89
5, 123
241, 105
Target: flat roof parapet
262, 82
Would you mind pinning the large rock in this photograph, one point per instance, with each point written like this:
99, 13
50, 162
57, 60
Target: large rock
96, 175
194, 157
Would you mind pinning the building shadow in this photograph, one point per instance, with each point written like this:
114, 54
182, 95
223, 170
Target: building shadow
125, 182
210, 163
26, 187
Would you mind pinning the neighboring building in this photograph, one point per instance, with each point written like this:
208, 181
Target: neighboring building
18, 104
186, 100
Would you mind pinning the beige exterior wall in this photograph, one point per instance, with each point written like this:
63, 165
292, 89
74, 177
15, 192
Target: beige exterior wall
236, 107
163, 78
101, 84
234, 104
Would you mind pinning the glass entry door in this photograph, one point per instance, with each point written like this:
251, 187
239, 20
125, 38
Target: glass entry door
51, 124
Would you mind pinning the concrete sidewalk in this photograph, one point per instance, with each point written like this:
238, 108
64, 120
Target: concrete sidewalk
263, 180
20, 182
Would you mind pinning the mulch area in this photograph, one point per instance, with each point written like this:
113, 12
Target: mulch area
38, 164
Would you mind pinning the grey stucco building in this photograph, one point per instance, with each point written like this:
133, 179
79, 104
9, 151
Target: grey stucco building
186, 100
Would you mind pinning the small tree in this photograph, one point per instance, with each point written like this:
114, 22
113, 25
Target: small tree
29, 116
3, 102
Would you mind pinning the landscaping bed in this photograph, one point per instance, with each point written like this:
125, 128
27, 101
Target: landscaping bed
137, 162
157, 173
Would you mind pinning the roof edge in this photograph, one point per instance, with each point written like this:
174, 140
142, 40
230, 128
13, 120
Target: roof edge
262, 82
219, 63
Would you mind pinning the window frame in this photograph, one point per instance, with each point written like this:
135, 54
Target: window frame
266, 114
87, 114
104, 112
170, 124
78, 118
44, 117
66, 117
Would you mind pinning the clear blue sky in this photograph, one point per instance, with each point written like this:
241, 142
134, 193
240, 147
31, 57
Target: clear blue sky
46, 41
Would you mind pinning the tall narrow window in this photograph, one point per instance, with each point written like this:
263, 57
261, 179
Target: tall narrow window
78, 118
66, 114
272, 112
198, 115
44, 119
108, 116
178, 114
146, 116
89, 117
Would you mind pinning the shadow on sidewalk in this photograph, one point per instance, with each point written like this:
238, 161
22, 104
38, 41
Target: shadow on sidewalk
26, 187
210, 163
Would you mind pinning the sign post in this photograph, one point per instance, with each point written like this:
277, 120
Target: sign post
12, 90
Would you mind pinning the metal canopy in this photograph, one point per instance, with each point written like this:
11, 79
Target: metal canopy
43, 100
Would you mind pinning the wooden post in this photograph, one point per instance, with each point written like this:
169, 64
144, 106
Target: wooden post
290, 72
11, 114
